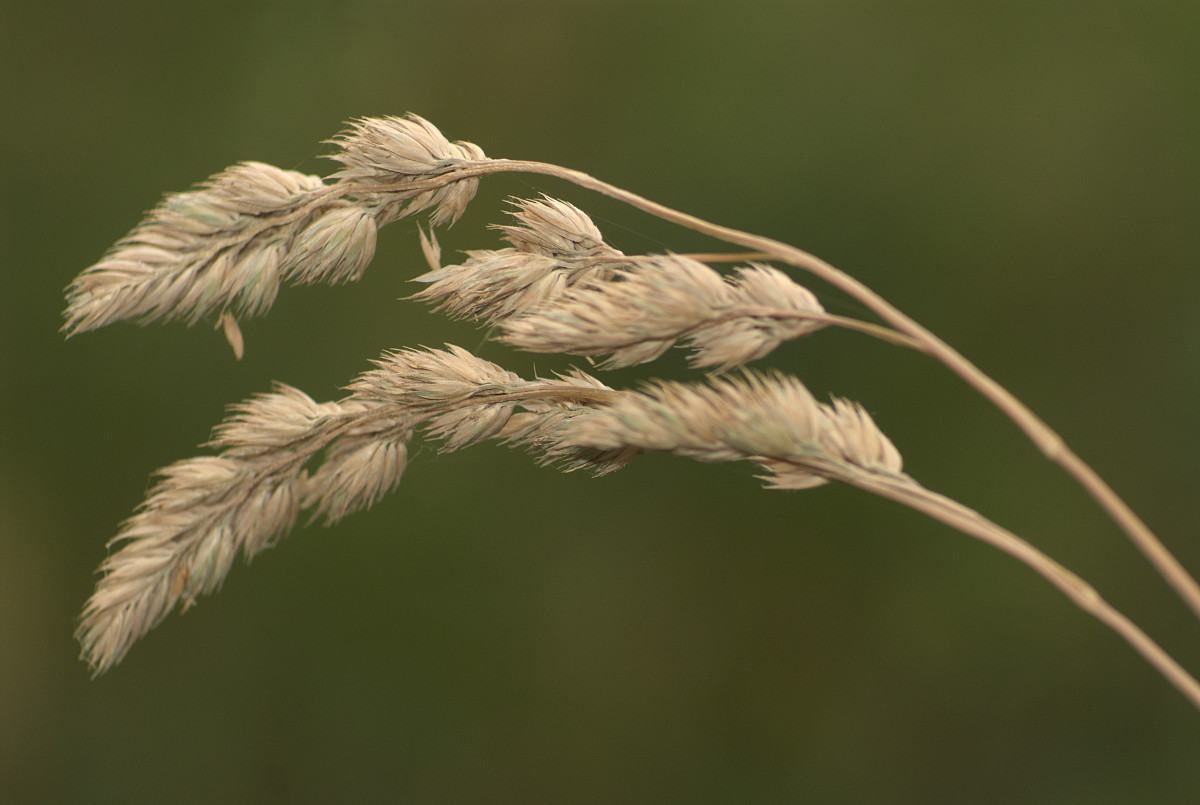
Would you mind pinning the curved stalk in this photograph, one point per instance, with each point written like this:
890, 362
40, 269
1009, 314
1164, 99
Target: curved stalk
1042, 435
907, 492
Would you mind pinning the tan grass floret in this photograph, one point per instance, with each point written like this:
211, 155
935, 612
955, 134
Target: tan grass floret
555, 247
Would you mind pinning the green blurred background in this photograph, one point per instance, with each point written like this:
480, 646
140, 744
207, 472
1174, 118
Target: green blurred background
1022, 177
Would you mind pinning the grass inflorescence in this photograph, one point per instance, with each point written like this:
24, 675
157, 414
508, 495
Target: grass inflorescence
223, 250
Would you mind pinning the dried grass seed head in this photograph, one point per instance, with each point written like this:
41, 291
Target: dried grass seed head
205, 510
771, 419
211, 248
655, 300
180, 544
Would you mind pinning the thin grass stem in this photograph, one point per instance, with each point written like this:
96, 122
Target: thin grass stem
1045, 438
966, 520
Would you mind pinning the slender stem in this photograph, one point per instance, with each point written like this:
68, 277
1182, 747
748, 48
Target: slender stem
846, 323
726, 257
537, 390
873, 330
903, 490
1043, 437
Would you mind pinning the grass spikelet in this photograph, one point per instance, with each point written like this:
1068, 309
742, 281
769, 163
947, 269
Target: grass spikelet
334, 248
555, 246
388, 153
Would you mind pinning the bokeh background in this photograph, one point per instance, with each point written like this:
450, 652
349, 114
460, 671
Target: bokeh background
1023, 177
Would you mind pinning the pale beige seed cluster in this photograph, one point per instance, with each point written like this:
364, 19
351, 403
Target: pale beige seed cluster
213, 248
656, 301
771, 419
204, 511
225, 248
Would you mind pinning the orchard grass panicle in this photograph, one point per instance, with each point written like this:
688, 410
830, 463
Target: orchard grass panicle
223, 250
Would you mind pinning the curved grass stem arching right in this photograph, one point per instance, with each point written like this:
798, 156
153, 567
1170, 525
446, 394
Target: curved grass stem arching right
222, 251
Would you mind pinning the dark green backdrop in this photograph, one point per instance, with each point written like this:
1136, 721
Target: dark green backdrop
1021, 176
